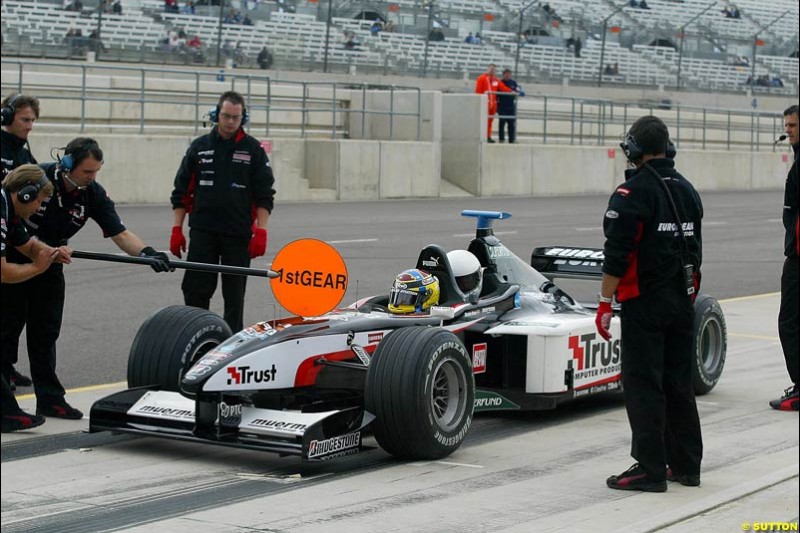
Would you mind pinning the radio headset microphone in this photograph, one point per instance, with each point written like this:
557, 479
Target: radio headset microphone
780, 139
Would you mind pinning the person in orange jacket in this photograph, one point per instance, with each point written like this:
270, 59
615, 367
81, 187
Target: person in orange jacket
487, 83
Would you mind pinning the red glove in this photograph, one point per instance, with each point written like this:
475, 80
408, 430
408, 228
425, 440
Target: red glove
177, 242
258, 244
603, 320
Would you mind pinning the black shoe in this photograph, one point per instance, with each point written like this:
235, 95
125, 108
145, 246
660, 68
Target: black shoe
490, 140
635, 478
790, 401
20, 380
21, 421
60, 410
687, 480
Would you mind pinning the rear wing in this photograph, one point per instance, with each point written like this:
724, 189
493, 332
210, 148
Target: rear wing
563, 262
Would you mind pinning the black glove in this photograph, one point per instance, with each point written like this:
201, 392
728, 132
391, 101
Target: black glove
161, 259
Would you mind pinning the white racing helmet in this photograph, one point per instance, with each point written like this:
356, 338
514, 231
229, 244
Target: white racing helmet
468, 272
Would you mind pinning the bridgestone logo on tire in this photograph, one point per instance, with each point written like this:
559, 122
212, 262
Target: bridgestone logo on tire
318, 448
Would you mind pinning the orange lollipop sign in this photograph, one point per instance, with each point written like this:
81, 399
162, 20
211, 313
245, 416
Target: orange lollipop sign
312, 277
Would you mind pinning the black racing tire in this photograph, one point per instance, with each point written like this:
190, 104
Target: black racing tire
710, 344
170, 342
421, 389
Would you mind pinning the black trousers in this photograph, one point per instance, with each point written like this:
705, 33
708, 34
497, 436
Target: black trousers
511, 123
36, 305
788, 316
657, 347
199, 287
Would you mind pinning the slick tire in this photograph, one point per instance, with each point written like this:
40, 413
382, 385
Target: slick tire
710, 344
170, 342
421, 389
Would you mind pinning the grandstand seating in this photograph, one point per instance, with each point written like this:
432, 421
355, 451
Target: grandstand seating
299, 40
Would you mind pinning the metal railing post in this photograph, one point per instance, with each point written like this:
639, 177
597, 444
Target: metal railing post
303, 116
269, 104
248, 100
333, 124
391, 112
19, 80
678, 119
580, 131
544, 125
704, 128
196, 101
141, 104
729, 130
419, 112
363, 110
83, 98
572, 124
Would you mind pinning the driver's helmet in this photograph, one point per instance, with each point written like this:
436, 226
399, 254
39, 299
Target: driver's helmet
413, 291
467, 271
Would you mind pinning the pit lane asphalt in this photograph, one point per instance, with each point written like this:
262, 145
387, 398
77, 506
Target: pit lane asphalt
516, 472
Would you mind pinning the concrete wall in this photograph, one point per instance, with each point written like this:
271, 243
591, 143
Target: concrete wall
401, 128
464, 119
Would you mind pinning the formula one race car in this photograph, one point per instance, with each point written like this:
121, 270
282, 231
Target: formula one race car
312, 386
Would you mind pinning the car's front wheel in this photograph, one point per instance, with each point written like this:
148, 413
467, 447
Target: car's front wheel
421, 389
170, 342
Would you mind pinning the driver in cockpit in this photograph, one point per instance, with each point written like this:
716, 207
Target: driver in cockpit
413, 291
468, 273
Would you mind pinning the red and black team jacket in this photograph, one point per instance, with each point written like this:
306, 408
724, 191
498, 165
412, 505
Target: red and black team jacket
221, 182
642, 242
790, 215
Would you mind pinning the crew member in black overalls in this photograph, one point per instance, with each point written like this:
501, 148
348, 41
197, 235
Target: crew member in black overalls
507, 108
19, 112
23, 192
653, 255
225, 185
38, 304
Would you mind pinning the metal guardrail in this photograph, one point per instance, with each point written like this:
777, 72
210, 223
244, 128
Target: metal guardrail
338, 103
605, 122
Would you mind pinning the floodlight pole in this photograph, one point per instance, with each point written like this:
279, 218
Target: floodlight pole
603, 45
519, 35
755, 47
219, 29
327, 36
428, 39
683, 36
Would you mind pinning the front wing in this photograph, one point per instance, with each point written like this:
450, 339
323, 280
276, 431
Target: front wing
156, 413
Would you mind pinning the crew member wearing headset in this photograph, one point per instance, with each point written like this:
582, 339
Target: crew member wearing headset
18, 112
38, 303
24, 190
225, 185
653, 253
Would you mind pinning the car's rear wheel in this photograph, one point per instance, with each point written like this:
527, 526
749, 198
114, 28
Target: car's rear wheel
170, 342
421, 390
710, 343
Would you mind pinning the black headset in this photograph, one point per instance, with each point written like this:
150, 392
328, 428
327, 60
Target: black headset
30, 191
7, 113
68, 162
213, 115
634, 152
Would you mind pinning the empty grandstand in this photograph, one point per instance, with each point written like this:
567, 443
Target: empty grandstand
700, 45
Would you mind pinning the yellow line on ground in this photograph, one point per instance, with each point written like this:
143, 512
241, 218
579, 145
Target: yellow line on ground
759, 337
751, 297
88, 388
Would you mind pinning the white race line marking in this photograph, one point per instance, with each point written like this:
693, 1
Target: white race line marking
349, 241
593, 228
511, 232
715, 223
774, 220
699, 402
459, 464
446, 463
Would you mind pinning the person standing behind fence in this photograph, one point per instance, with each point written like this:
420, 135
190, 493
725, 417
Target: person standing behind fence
790, 279
225, 185
507, 108
488, 84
